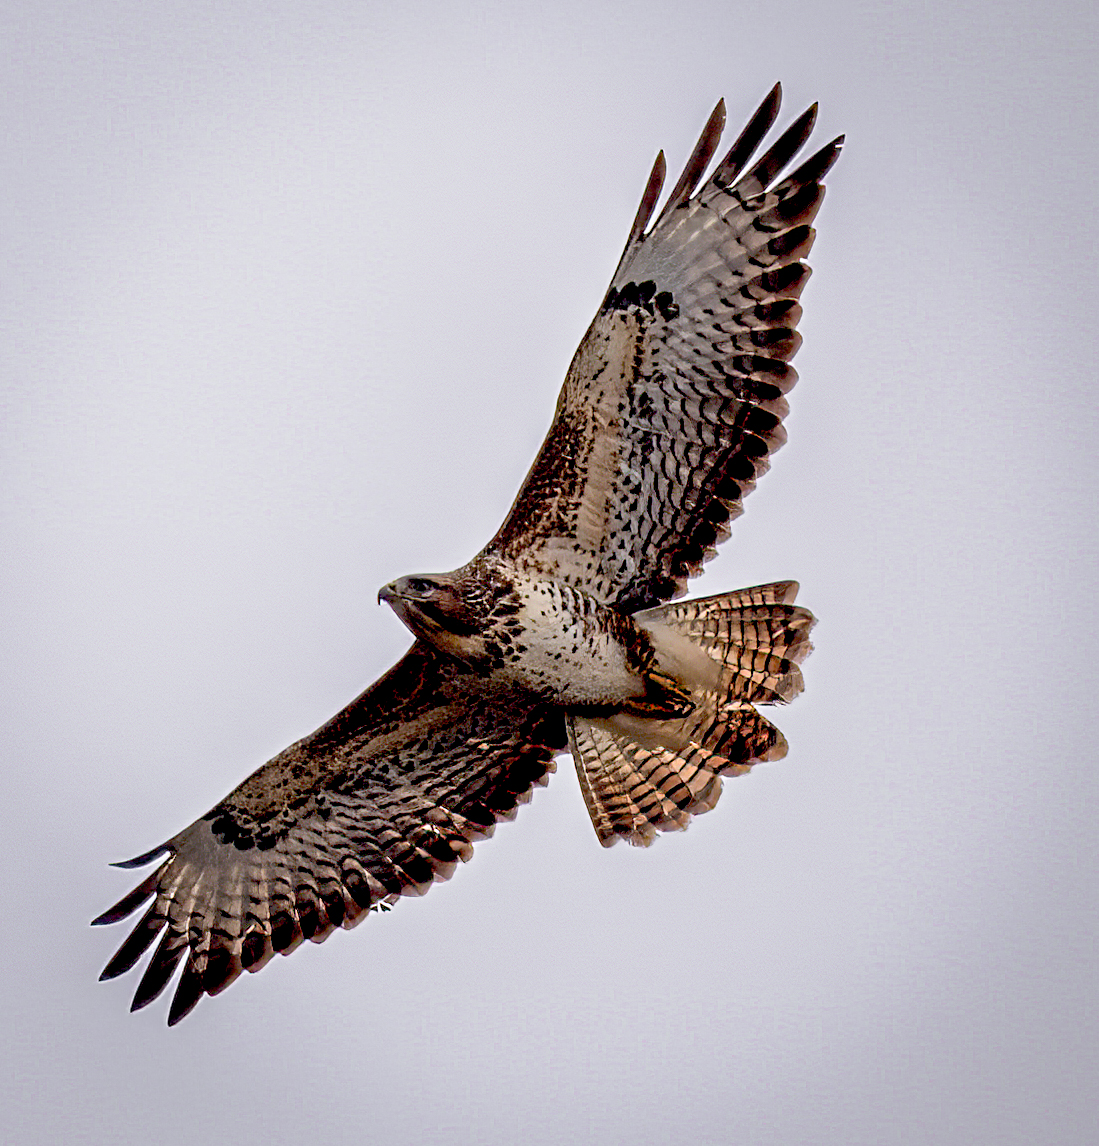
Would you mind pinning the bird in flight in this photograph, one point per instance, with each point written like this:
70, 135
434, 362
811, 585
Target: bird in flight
563, 633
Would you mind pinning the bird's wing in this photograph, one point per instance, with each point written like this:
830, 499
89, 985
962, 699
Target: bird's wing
379, 802
675, 397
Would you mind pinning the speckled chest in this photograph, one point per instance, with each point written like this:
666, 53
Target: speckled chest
566, 646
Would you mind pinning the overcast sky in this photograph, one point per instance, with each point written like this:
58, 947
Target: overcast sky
289, 292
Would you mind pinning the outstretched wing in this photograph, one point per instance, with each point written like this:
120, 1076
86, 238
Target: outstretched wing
675, 397
379, 802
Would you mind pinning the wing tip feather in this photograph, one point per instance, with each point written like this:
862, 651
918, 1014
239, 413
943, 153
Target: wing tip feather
145, 858
648, 202
696, 165
131, 901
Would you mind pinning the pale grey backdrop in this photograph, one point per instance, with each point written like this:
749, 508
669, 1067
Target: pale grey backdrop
288, 292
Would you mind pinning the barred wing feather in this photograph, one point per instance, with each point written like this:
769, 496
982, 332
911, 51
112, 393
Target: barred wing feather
676, 396
379, 802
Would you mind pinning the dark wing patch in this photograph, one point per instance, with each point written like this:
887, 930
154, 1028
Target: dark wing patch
381, 801
674, 400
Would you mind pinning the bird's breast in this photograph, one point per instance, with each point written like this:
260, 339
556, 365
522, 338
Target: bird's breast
564, 645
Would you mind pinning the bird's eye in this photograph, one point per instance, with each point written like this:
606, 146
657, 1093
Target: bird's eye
420, 585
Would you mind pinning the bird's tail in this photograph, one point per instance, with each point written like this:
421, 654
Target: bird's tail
733, 651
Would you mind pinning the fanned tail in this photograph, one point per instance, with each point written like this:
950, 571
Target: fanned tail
642, 776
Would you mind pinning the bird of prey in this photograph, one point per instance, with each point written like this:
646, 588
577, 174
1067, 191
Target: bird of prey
563, 633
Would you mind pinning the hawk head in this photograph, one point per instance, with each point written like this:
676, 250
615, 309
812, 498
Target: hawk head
439, 608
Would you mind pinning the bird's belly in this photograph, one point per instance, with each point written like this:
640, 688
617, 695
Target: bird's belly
575, 670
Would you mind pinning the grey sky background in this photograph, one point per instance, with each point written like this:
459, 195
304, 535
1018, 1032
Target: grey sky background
289, 293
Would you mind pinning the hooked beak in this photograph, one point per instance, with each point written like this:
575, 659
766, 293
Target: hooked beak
388, 593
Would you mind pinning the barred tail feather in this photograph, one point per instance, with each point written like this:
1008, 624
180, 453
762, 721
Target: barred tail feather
642, 776
633, 792
758, 637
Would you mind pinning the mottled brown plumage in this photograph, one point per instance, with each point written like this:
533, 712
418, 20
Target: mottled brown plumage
561, 632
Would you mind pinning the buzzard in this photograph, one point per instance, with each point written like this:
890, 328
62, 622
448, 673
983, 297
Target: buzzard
563, 633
